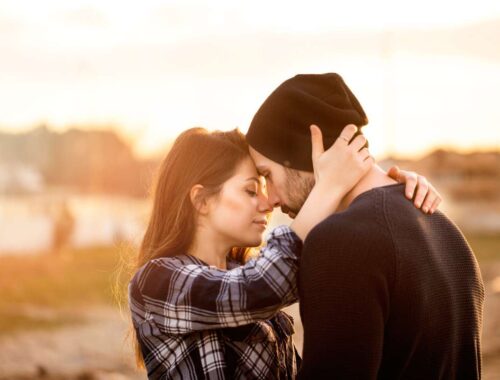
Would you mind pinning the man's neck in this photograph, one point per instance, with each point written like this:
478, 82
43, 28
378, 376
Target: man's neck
376, 177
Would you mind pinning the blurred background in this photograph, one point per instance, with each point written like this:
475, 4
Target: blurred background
92, 93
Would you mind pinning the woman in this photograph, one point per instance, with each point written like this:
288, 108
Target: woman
201, 306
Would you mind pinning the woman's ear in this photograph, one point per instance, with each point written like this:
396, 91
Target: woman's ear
198, 201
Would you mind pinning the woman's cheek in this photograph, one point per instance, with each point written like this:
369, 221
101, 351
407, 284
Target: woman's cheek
236, 210
233, 202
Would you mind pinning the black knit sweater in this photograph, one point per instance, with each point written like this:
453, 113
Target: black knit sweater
387, 292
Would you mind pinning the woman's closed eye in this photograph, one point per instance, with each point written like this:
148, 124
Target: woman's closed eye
251, 192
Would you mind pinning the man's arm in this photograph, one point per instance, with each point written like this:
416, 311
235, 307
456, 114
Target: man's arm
344, 284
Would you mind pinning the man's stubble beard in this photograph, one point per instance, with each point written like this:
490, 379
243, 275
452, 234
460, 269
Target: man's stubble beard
298, 187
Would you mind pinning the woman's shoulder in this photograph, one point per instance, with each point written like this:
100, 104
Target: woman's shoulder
161, 267
173, 261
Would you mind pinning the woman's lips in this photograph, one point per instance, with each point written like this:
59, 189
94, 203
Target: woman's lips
262, 223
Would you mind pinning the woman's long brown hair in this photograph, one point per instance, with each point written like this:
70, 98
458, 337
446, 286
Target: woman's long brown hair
196, 157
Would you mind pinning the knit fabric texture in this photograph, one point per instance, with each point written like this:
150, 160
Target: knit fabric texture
388, 292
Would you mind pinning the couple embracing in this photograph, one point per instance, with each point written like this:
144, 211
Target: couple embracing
387, 284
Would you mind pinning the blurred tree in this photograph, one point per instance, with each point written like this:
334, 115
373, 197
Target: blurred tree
91, 161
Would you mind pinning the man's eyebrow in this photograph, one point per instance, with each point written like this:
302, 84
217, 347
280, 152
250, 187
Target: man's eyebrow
253, 179
261, 169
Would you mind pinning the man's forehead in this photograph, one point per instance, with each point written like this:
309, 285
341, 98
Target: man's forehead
261, 162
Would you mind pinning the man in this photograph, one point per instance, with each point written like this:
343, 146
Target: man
386, 291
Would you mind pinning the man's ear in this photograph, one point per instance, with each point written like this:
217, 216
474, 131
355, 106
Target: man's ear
198, 200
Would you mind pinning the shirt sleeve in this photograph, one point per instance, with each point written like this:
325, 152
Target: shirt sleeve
181, 299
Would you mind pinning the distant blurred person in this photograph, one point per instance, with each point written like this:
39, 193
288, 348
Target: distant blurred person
202, 306
63, 227
386, 292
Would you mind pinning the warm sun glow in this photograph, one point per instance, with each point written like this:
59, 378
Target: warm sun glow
94, 203
154, 69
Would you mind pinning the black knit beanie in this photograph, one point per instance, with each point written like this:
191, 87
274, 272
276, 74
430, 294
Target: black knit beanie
280, 128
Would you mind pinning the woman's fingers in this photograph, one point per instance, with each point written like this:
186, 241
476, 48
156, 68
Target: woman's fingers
428, 202
418, 188
316, 141
435, 205
394, 173
358, 143
347, 134
341, 166
432, 200
422, 190
364, 154
410, 178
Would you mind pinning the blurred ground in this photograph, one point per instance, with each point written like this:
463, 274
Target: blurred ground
94, 349
59, 317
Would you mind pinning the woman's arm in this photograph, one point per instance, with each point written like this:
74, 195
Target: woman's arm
181, 296
336, 172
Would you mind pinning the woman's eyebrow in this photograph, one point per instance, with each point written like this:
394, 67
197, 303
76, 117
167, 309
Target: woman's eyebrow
253, 179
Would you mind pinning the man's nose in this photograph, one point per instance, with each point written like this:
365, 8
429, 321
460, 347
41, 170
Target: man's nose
273, 198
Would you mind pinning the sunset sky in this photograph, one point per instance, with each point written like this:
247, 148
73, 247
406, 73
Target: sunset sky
427, 72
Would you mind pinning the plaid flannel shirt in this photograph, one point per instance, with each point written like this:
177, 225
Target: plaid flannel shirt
195, 321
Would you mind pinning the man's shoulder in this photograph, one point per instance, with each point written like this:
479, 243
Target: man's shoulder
341, 228
358, 215
363, 221
358, 237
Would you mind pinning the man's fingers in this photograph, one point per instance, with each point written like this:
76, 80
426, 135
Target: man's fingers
316, 141
347, 133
